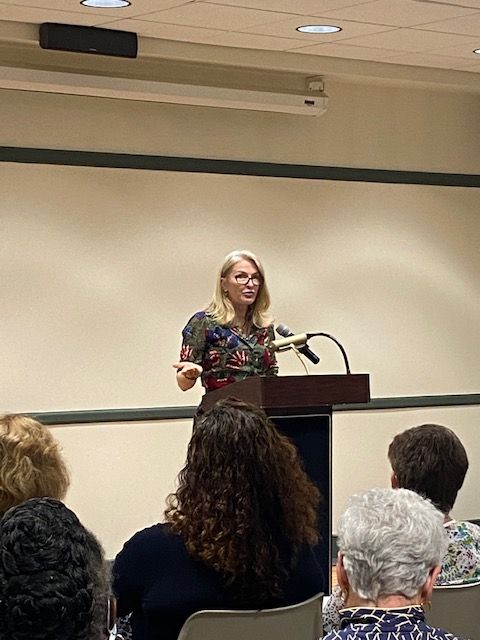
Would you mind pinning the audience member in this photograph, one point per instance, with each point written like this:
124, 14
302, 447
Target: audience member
31, 464
391, 544
238, 533
431, 460
52, 576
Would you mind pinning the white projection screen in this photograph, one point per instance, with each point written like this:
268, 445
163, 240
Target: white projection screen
102, 267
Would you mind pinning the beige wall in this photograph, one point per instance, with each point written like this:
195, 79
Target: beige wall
121, 473
102, 268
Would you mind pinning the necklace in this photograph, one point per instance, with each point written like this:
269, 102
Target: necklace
242, 329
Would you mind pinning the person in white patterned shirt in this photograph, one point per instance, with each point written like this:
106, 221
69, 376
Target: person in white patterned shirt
391, 544
430, 460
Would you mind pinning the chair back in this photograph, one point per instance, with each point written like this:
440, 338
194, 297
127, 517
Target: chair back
301, 621
456, 608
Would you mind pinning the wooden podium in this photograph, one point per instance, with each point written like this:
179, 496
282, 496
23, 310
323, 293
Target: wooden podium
301, 408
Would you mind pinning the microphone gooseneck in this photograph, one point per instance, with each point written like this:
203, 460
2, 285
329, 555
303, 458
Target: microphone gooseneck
290, 339
339, 345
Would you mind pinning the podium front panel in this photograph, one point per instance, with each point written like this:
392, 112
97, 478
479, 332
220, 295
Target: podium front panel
312, 435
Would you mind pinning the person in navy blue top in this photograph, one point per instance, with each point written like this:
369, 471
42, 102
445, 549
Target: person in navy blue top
391, 545
239, 530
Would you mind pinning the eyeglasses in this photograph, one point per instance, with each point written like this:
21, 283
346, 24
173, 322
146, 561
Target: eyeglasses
244, 279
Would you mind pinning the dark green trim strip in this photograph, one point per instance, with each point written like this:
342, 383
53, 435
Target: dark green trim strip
412, 402
232, 167
114, 415
187, 412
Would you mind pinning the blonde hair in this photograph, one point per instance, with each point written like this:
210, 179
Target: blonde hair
31, 463
221, 309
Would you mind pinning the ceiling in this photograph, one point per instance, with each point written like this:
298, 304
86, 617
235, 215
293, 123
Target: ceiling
430, 35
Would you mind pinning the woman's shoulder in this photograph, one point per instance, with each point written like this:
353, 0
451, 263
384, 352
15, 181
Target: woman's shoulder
306, 577
461, 563
195, 324
147, 541
198, 316
203, 318
463, 531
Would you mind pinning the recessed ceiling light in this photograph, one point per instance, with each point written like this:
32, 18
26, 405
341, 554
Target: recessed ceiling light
477, 51
319, 28
106, 4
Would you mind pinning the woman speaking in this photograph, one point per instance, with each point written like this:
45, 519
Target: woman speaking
229, 340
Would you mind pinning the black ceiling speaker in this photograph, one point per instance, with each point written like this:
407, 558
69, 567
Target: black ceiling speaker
106, 42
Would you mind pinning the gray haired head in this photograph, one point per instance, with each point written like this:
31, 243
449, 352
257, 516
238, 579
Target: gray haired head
390, 540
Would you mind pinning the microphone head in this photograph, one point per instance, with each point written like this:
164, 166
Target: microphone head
283, 330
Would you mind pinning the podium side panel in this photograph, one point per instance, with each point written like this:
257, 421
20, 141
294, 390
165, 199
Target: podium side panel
312, 437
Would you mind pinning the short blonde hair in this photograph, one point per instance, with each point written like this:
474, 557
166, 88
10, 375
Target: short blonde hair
31, 465
221, 309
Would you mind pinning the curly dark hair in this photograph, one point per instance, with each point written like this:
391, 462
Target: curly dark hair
53, 582
244, 505
430, 460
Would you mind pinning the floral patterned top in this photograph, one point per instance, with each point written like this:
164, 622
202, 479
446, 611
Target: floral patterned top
401, 623
225, 355
460, 565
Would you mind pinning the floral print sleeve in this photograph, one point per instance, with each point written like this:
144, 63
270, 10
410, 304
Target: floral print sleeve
461, 563
193, 344
225, 355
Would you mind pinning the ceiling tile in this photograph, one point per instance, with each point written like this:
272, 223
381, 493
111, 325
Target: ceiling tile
442, 33
313, 7
37, 16
427, 60
164, 31
137, 6
214, 16
468, 25
401, 14
286, 28
412, 40
252, 41
460, 3
341, 50
464, 51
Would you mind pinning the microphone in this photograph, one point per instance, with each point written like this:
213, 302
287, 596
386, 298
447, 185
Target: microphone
293, 340
287, 333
